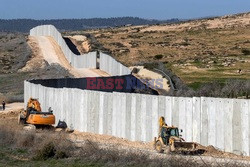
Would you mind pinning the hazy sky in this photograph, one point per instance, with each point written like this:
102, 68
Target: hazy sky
152, 9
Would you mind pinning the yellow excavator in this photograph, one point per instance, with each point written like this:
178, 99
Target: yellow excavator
170, 140
34, 115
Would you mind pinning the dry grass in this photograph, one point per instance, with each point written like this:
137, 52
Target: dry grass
195, 51
49, 148
53, 149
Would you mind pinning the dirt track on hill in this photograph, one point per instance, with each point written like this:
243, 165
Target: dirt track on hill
47, 50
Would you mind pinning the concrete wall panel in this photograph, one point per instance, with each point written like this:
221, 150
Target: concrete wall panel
114, 113
96, 111
111, 66
237, 129
110, 113
138, 118
196, 124
133, 117
245, 126
168, 110
211, 121
223, 123
84, 107
189, 119
101, 113
175, 111
145, 107
204, 121
219, 117
119, 115
182, 116
228, 125
153, 122
128, 116
123, 115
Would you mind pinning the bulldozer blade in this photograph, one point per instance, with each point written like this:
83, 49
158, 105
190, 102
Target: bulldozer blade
193, 152
188, 148
185, 145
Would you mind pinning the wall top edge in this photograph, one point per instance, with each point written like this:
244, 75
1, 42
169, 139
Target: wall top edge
202, 98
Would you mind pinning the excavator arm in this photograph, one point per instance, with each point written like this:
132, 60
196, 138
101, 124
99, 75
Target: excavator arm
34, 104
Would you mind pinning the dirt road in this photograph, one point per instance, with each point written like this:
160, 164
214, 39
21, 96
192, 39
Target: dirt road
211, 157
47, 49
12, 107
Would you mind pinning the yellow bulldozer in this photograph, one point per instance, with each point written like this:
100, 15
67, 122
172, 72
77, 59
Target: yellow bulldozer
170, 140
34, 115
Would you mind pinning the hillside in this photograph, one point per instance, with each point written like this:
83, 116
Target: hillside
200, 51
24, 25
197, 51
16, 51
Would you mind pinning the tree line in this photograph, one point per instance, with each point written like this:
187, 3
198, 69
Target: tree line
24, 25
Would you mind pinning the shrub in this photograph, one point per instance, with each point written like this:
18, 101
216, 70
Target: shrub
245, 51
158, 57
25, 140
6, 136
61, 154
150, 65
48, 151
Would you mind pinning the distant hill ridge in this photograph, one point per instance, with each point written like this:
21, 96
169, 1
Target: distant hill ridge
24, 25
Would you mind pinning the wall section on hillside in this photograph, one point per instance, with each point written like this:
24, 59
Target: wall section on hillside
111, 66
223, 123
78, 61
89, 60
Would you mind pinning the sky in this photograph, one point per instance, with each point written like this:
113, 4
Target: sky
149, 9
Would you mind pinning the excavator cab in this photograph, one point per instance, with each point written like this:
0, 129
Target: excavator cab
34, 115
167, 132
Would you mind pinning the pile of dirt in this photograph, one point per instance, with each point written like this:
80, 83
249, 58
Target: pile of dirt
215, 152
152, 78
81, 42
107, 140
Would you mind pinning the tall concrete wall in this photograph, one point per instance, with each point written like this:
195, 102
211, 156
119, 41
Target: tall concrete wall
111, 66
78, 61
223, 123
107, 63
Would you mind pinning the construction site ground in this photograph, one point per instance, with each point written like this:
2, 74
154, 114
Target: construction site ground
119, 148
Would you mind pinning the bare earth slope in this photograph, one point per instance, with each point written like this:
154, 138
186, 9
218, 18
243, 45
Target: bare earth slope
16, 65
47, 49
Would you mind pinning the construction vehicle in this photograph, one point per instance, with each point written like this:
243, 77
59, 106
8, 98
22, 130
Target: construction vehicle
169, 140
34, 115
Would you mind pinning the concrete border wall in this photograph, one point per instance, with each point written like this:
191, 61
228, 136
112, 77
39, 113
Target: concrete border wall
78, 61
223, 123
89, 60
113, 67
